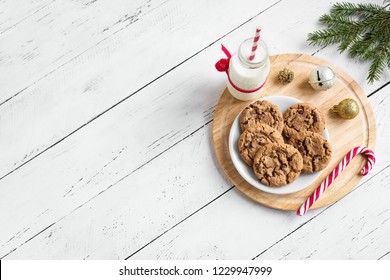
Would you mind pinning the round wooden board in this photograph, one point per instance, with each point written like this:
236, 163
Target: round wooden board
344, 134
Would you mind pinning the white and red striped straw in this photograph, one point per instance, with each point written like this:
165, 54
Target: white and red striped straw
255, 43
333, 175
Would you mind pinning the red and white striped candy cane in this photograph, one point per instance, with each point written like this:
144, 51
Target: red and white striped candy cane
333, 175
255, 43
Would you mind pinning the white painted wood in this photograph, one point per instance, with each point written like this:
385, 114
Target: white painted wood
13, 12
97, 76
206, 234
385, 256
231, 228
357, 229
102, 153
82, 199
56, 33
66, 174
104, 74
227, 231
358, 226
137, 209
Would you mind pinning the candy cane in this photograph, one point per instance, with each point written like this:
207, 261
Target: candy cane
333, 175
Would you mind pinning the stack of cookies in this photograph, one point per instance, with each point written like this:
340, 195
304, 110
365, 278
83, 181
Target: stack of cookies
262, 146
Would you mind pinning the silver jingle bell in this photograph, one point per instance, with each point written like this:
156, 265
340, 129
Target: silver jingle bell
322, 78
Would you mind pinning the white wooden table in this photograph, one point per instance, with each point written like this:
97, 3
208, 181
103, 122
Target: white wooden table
106, 111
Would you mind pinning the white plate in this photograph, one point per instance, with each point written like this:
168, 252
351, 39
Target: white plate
304, 180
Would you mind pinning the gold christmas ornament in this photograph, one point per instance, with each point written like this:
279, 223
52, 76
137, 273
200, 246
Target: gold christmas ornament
322, 78
347, 109
286, 75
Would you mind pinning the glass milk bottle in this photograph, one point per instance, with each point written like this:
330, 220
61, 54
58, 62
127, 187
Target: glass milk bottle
246, 77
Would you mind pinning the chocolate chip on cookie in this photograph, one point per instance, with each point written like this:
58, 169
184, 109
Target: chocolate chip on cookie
254, 137
261, 111
277, 164
303, 117
315, 150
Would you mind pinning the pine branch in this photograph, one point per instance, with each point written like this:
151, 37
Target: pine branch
364, 46
335, 20
350, 9
376, 69
362, 29
349, 43
327, 37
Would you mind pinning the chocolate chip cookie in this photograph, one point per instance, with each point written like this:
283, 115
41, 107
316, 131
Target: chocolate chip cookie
277, 164
261, 111
303, 117
254, 137
315, 150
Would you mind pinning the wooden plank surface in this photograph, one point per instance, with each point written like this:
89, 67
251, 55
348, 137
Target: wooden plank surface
106, 144
356, 227
122, 143
361, 130
13, 13
360, 233
100, 73
58, 32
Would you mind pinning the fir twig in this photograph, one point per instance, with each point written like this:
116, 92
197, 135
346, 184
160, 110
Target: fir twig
362, 29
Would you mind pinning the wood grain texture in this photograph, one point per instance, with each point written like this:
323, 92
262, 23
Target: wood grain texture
344, 135
137, 209
386, 256
56, 33
101, 71
100, 155
211, 228
109, 154
93, 77
12, 13
358, 234
233, 227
